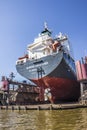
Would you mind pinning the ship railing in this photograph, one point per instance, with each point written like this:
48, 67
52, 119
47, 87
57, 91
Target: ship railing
44, 55
51, 53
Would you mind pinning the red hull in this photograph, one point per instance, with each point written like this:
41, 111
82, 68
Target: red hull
61, 89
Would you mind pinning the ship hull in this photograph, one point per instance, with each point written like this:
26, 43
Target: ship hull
61, 89
56, 72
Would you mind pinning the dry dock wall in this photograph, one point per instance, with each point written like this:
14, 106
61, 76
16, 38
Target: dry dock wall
81, 70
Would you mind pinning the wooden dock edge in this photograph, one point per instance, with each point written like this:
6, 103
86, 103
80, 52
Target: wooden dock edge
43, 107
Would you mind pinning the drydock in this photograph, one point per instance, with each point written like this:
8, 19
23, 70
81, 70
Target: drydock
27, 97
16, 95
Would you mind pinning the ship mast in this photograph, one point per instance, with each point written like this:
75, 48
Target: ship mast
46, 30
45, 26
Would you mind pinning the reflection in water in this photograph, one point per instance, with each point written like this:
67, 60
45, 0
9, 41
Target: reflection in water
75, 119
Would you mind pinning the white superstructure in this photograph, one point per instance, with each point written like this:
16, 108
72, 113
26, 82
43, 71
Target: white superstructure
45, 45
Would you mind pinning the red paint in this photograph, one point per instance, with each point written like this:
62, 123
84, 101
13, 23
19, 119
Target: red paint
84, 72
81, 71
26, 56
61, 89
4, 85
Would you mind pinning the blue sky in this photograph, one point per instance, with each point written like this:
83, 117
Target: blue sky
22, 20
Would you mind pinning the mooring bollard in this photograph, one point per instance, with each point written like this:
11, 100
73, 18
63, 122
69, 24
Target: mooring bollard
60, 106
6, 107
25, 107
51, 107
38, 108
19, 108
12, 108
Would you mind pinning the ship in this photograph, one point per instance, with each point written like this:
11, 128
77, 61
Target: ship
49, 64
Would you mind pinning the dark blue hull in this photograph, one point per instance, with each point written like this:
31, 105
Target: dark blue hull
56, 65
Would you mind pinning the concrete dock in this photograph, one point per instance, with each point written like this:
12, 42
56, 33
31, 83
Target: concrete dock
44, 107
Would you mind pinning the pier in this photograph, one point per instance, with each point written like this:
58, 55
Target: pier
44, 107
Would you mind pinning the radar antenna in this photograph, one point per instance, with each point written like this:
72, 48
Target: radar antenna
46, 30
45, 25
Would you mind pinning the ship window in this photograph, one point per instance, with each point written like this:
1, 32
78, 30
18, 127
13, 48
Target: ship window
21, 62
18, 62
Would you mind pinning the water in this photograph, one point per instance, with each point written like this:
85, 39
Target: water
75, 119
